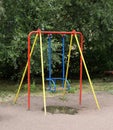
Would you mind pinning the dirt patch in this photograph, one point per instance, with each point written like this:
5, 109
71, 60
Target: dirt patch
17, 117
61, 110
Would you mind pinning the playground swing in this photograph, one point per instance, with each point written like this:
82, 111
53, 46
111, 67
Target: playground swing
52, 80
64, 78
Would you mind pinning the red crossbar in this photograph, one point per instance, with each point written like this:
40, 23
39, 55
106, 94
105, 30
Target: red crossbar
54, 32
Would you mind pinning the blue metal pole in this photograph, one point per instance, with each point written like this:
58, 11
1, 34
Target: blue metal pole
63, 60
49, 59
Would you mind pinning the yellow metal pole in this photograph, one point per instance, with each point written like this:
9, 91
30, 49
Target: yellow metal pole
23, 75
42, 67
91, 85
67, 67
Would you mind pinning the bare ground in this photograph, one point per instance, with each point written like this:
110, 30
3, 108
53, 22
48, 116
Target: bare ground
17, 117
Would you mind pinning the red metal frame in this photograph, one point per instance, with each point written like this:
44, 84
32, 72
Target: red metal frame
54, 32
81, 69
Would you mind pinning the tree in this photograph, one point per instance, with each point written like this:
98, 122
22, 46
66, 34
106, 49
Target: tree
93, 18
22, 17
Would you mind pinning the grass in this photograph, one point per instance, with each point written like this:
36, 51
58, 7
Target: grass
98, 84
8, 89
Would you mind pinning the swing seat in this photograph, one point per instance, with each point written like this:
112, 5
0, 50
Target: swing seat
52, 83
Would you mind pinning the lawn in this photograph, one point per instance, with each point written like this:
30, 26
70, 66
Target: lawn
8, 89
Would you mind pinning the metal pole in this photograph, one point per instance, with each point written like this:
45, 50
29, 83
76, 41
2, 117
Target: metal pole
67, 67
90, 82
25, 70
49, 58
28, 72
63, 60
81, 70
42, 68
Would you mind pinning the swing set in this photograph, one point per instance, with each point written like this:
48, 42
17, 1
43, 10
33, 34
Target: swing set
50, 79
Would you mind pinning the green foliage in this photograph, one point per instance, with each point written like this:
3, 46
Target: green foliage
33, 87
72, 90
1, 10
95, 20
21, 18
17, 18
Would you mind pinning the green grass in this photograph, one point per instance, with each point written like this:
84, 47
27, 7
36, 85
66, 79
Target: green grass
8, 89
98, 84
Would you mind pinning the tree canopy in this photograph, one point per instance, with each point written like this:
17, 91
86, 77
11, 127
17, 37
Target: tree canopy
18, 17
